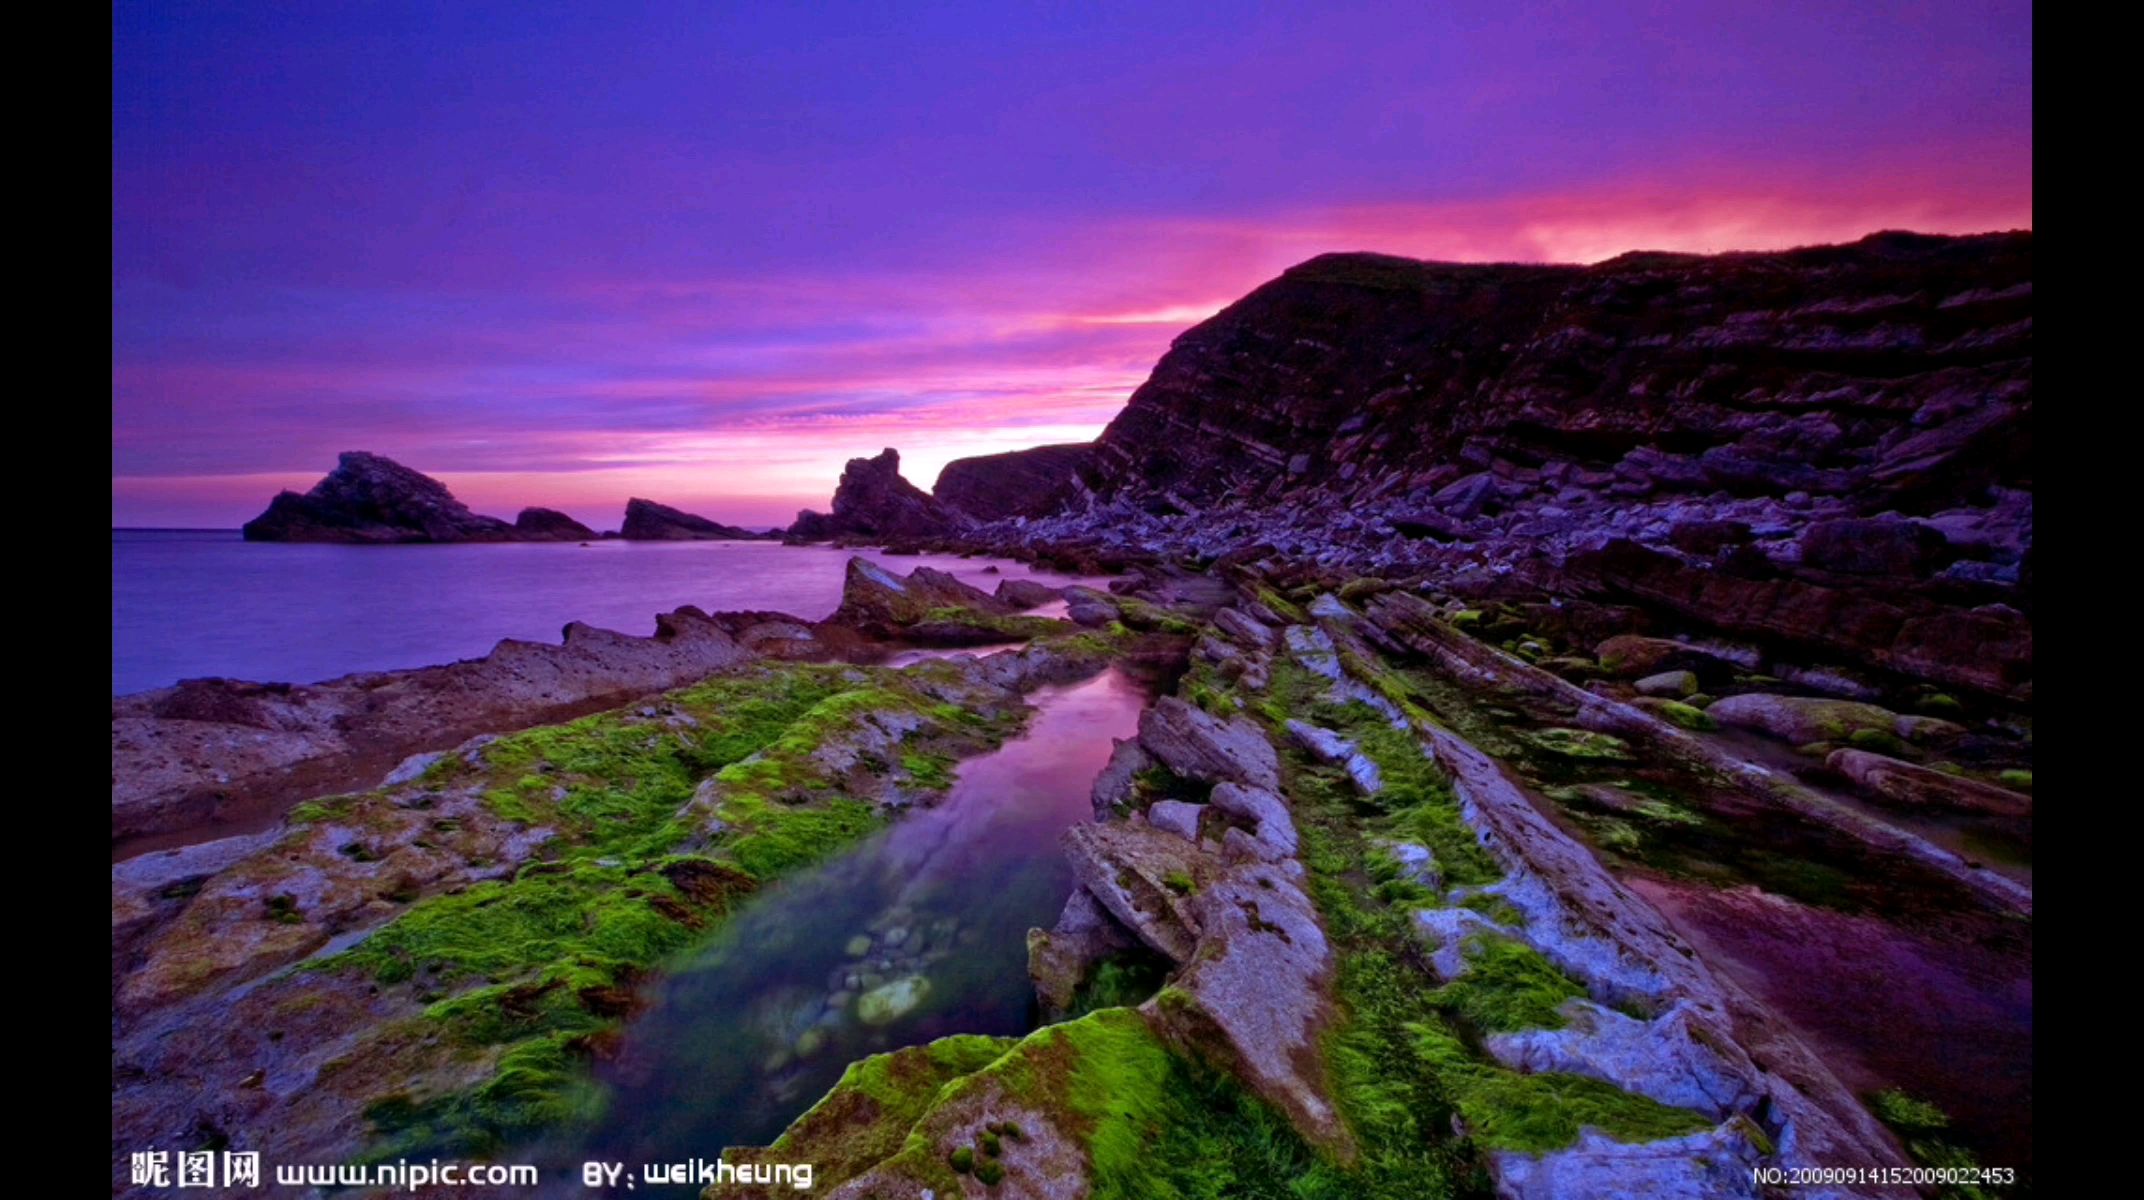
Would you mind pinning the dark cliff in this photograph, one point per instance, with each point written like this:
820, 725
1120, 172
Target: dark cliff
1893, 371
1022, 483
1826, 449
874, 501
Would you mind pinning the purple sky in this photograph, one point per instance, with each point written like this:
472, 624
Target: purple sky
566, 254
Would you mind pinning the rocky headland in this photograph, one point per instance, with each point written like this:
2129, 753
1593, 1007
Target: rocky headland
875, 505
1590, 755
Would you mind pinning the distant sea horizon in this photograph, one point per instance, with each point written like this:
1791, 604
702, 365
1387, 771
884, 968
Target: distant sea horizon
204, 602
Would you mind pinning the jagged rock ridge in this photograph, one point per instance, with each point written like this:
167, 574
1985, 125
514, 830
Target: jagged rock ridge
369, 498
875, 502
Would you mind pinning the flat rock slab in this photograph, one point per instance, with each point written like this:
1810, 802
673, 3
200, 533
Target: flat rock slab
1130, 870
1200, 746
1255, 996
1713, 1165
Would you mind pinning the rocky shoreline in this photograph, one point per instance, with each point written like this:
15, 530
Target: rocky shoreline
1593, 720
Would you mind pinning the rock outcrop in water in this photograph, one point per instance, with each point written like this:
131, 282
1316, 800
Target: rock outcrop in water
874, 503
647, 521
551, 525
1021, 483
368, 498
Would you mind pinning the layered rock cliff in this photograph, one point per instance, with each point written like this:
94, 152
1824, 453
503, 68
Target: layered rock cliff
1824, 451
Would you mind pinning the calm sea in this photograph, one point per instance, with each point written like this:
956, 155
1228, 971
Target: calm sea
189, 603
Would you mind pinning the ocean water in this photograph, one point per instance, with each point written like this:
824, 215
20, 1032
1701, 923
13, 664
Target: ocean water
189, 603
747, 1032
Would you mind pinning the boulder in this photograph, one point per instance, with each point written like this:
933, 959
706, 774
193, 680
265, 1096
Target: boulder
1272, 835
1145, 878
1713, 1164
1176, 816
1632, 656
1244, 630
1026, 593
1118, 779
1256, 996
877, 602
1674, 685
1329, 747
1088, 607
1800, 720
1671, 1058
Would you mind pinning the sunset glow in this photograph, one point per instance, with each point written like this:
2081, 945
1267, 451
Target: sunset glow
707, 258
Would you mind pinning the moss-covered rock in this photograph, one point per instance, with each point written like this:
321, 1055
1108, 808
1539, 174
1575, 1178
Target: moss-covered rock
1798, 720
1679, 714
1583, 744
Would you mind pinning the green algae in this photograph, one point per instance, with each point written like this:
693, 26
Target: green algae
1507, 986
528, 972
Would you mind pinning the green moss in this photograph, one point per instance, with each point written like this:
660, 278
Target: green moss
1938, 704
313, 812
1282, 607
1879, 741
871, 1112
1507, 1110
990, 1145
1138, 614
1355, 591
544, 961
1685, 716
1005, 628
1506, 987
1906, 1114
1120, 983
1920, 1125
1465, 618
2016, 778
989, 1174
1582, 744
783, 839
1180, 883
